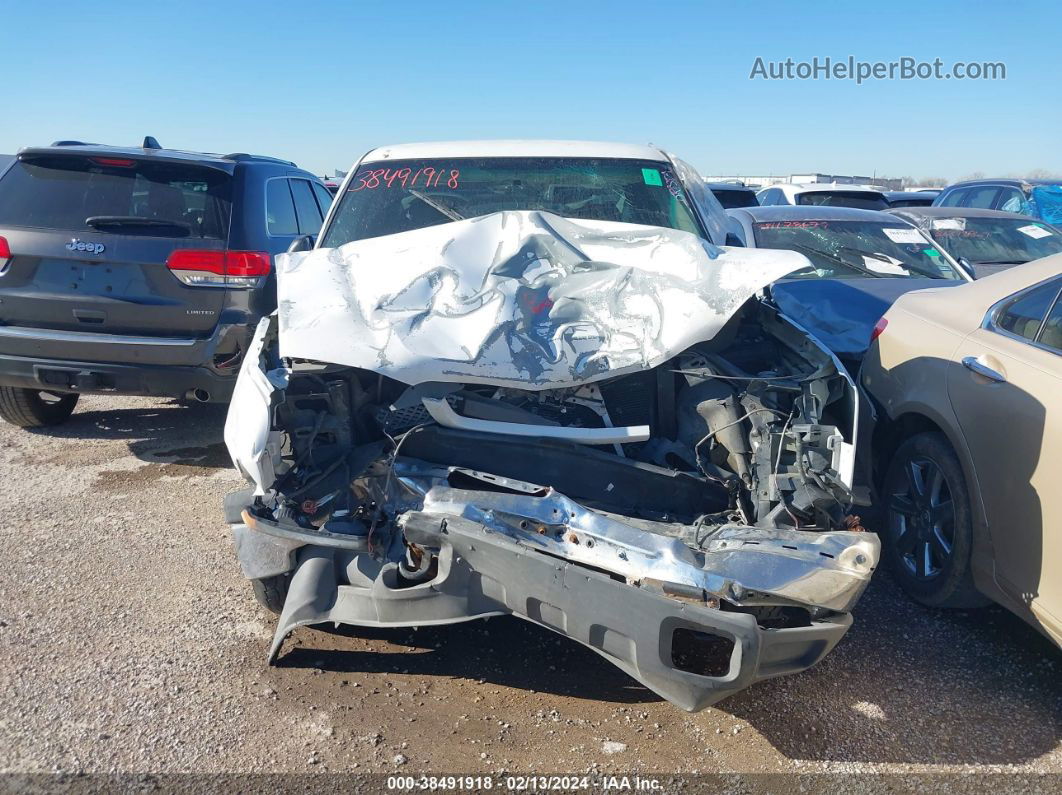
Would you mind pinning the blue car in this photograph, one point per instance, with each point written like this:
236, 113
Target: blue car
860, 261
1037, 198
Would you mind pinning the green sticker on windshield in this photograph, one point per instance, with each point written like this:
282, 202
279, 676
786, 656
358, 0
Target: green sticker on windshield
931, 252
652, 177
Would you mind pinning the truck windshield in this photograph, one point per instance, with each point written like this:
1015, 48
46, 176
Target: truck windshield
384, 198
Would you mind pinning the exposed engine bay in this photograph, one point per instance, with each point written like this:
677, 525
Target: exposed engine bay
690, 521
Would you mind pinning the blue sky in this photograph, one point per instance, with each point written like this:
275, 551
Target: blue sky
321, 82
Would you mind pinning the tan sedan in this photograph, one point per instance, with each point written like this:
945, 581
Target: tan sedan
968, 443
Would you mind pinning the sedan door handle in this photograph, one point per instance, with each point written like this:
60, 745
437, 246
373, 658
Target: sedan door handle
975, 365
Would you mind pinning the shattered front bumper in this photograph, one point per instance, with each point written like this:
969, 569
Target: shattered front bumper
482, 570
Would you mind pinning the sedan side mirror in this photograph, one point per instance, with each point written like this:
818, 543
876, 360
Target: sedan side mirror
967, 266
302, 243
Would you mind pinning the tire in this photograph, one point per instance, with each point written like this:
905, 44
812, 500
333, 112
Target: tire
270, 592
928, 527
35, 408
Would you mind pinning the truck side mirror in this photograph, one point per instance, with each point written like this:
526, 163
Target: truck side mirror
302, 243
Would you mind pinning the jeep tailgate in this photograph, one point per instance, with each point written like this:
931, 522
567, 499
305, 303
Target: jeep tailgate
89, 238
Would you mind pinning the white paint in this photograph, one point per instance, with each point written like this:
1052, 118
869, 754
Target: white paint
444, 414
249, 437
514, 148
525, 299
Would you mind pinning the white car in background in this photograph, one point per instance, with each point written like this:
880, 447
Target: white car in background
829, 194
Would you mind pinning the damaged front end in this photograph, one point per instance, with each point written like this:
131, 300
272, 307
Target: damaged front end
686, 518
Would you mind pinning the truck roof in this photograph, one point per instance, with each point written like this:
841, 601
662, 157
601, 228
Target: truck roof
515, 148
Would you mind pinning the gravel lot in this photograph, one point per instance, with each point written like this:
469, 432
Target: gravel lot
129, 642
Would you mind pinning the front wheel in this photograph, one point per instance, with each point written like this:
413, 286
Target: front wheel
928, 536
270, 592
35, 408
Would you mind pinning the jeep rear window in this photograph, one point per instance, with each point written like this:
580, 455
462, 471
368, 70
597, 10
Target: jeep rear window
120, 195
388, 197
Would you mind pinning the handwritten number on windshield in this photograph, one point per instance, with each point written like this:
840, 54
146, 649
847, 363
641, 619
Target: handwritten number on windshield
428, 177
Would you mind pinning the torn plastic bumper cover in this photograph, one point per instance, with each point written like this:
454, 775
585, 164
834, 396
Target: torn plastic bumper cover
643, 600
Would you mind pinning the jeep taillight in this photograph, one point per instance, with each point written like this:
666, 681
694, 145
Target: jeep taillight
209, 268
5, 254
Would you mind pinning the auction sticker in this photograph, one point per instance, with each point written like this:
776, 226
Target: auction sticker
901, 235
1034, 231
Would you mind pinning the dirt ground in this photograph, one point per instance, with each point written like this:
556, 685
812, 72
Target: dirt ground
129, 642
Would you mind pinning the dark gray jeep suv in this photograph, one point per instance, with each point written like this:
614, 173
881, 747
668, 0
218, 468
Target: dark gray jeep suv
138, 271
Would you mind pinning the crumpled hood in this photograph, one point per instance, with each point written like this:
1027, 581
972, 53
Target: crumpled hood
841, 313
523, 298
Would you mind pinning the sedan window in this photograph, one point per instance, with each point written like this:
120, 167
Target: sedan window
1024, 315
953, 198
1012, 200
1051, 336
983, 197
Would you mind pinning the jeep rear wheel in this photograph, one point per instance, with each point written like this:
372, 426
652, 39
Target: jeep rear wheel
35, 408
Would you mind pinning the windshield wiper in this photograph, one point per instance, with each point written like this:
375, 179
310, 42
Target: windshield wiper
442, 208
838, 260
99, 221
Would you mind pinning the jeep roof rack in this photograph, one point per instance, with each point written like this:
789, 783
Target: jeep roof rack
151, 143
240, 157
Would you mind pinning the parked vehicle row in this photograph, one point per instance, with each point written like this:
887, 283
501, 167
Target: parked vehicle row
558, 380
985, 241
1038, 198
